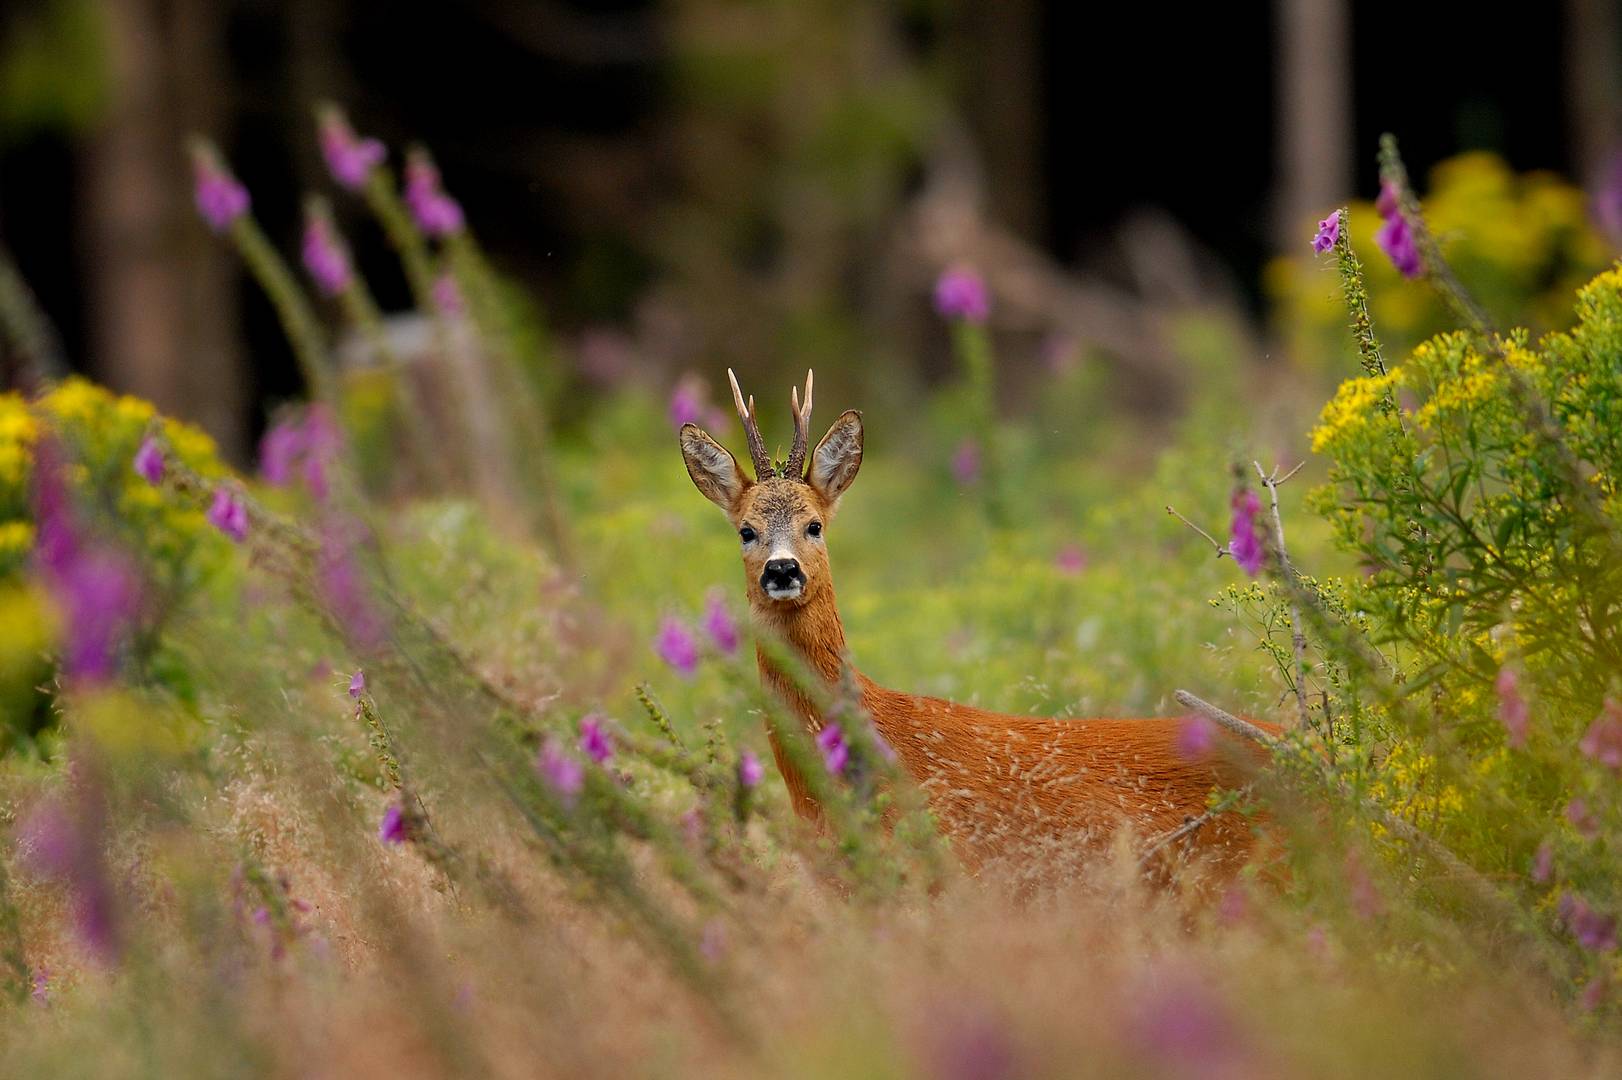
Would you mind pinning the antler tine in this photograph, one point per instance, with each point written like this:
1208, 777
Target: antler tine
751, 431
795, 466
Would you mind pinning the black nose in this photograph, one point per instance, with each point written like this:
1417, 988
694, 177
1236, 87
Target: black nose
782, 574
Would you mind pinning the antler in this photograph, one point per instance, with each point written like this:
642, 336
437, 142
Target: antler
794, 468
751, 430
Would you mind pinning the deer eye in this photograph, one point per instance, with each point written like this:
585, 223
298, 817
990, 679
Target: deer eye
747, 534
814, 529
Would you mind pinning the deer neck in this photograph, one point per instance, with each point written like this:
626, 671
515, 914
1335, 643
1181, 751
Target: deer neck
813, 632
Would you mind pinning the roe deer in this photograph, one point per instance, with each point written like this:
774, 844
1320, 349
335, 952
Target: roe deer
1001, 787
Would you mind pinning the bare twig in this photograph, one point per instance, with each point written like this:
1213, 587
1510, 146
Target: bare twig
1220, 549
1225, 719
1298, 636
1187, 828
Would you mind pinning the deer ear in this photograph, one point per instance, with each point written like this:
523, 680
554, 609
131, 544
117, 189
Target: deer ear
714, 470
837, 457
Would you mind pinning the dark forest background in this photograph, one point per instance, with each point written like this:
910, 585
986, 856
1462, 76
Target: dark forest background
619, 158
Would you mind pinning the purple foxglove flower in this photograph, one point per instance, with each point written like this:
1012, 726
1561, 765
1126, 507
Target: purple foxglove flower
881, 744
676, 646
324, 256
220, 198
1543, 864
344, 588
750, 771
1245, 544
1328, 233
960, 294
101, 598
1512, 710
395, 828
1071, 559
436, 213
835, 751
1593, 994
94, 588
966, 463
1603, 741
357, 684
1397, 241
41, 992
1387, 202
65, 845
562, 772
229, 514
1582, 818
279, 450
595, 741
719, 625
349, 157
149, 463
1181, 1023
1196, 738
1594, 930
687, 401
448, 297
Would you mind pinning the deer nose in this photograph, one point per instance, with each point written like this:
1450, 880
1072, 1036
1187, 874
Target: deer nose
782, 575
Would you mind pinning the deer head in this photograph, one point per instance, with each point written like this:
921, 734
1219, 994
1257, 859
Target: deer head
781, 516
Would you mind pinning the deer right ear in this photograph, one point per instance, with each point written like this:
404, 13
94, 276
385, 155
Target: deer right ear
714, 470
837, 457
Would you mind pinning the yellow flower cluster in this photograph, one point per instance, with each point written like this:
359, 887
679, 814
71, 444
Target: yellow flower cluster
1348, 412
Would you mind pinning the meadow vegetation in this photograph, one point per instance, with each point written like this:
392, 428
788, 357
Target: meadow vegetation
435, 745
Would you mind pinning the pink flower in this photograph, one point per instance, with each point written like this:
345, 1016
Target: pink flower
357, 684
1328, 233
1071, 559
228, 513
1594, 993
149, 463
750, 771
1594, 930
350, 158
1543, 864
1512, 711
1181, 1023
712, 943
687, 401
220, 198
305, 446
966, 463
1395, 238
676, 646
595, 741
1385, 204
719, 625
436, 213
1196, 738
1245, 544
448, 296
835, 751
41, 992
65, 844
344, 587
1582, 818
93, 586
395, 828
562, 772
1603, 742
324, 256
961, 294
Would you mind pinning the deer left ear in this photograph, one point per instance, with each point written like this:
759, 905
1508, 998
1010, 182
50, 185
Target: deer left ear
714, 470
837, 457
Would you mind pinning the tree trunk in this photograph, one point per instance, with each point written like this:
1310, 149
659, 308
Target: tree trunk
1315, 116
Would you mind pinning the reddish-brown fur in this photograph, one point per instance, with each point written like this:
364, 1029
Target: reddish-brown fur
1002, 787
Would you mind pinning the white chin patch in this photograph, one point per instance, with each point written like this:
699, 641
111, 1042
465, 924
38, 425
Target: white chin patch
791, 593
